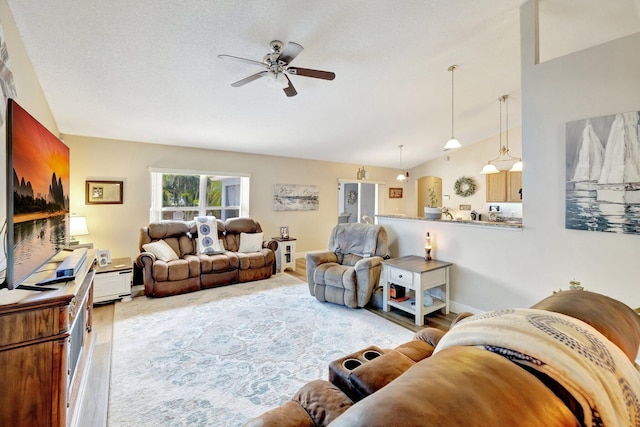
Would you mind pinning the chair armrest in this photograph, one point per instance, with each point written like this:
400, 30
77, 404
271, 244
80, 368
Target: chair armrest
145, 261
270, 244
368, 272
314, 259
321, 257
368, 263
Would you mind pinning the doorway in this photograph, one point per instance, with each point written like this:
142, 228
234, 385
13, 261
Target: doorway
357, 200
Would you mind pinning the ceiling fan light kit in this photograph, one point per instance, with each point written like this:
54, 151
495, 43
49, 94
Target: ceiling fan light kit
277, 64
504, 161
452, 143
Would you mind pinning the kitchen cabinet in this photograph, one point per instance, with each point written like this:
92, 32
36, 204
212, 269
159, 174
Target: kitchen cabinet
504, 187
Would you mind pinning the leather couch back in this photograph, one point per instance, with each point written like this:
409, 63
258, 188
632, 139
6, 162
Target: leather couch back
180, 235
234, 226
612, 318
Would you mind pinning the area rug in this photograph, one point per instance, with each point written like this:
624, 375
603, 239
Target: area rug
222, 356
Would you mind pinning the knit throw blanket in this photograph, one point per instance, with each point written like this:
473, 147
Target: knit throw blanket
590, 367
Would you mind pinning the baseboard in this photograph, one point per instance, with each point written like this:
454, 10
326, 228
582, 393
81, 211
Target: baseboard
455, 307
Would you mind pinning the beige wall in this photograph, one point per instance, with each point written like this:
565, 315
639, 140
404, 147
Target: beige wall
116, 227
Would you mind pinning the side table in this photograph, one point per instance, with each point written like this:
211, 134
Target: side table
286, 254
113, 281
417, 276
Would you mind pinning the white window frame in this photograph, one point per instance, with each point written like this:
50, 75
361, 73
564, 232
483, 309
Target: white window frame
156, 209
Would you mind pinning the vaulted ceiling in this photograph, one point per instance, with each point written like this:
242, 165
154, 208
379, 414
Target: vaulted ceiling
147, 70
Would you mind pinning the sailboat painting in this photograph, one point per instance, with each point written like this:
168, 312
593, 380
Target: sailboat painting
603, 174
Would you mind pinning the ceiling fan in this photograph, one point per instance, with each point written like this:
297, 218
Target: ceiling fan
277, 66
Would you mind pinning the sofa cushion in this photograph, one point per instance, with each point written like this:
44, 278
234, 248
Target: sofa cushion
161, 250
207, 240
250, 242
323, 401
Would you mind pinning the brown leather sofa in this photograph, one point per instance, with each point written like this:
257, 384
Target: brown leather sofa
470, 385
194, 271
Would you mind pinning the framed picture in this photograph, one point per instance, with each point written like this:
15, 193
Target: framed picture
104, 257
395, 193
284, 232
104, 192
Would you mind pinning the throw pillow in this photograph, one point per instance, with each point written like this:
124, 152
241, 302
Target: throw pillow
208, 242
250, 242
161, 250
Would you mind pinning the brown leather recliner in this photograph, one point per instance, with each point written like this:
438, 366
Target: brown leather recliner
194, 271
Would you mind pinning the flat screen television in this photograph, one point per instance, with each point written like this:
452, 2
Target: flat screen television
37, 226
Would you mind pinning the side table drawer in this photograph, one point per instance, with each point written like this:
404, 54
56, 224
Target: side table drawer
434, 278
401, 277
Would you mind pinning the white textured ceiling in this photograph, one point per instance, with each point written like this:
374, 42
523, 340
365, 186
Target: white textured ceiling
147, 70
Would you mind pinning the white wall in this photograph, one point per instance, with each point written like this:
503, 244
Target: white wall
502, 268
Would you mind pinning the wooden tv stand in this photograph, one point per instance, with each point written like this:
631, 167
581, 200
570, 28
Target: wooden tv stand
45, 349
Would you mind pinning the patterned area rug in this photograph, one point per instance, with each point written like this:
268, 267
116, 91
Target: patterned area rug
222, 356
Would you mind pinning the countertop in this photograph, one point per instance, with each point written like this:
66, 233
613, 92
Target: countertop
512, 225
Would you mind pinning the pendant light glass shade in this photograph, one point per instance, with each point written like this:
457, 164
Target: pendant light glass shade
489, 169
504, 161
452, 143
402, 176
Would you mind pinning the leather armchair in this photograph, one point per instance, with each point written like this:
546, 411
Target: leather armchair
348, 272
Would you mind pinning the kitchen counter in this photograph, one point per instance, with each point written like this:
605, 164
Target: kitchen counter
510, 225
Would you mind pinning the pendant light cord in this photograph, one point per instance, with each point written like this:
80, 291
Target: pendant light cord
452, 69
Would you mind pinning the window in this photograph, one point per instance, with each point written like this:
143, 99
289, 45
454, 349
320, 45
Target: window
177, 194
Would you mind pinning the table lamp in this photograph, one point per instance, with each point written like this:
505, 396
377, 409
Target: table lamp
77, 227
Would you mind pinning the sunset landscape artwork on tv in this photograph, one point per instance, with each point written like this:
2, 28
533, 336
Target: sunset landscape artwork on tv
38, 196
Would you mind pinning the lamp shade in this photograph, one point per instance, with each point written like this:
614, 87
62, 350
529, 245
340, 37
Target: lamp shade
489, 169
78, 226
517, 167
452, 144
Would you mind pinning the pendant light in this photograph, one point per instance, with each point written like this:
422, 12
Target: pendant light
504, 161
402, 176
453, 143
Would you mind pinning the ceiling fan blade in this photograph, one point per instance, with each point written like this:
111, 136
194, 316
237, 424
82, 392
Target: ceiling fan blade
247, 61
249, 79
307, 72
289, 90
291, 50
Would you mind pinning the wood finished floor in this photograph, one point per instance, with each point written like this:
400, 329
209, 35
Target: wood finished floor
93, 410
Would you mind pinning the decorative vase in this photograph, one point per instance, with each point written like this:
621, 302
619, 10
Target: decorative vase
432, 213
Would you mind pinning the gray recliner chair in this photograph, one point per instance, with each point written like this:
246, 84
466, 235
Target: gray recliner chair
349, 271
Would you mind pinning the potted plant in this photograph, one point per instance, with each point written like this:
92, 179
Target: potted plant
431, 211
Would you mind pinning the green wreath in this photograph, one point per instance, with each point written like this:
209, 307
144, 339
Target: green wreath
464, 186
